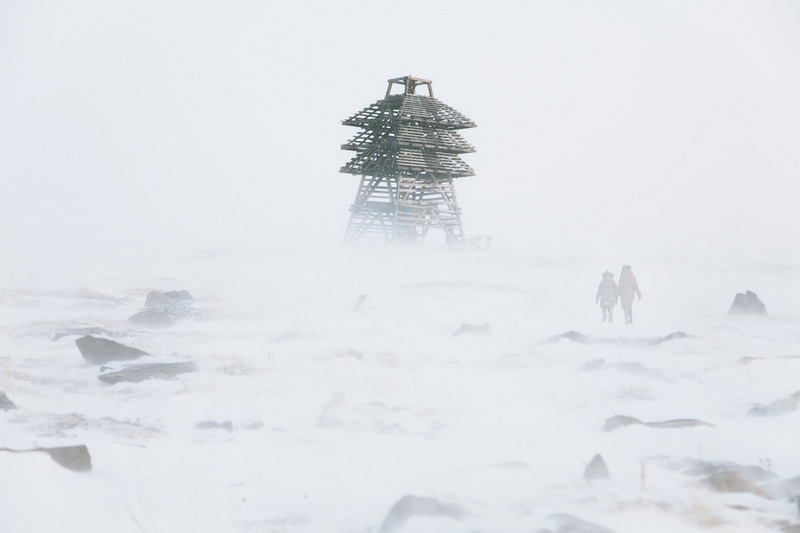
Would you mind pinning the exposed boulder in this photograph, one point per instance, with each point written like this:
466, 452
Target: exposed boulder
102, 351
165, 299
5, 403
409, 506
163, 309
143, 372
75, 458
596, 469
747, 304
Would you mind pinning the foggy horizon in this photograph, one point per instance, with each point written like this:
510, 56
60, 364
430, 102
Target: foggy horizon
657, 129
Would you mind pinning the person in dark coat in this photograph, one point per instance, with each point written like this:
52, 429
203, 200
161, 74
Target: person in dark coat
627, 288
607, 296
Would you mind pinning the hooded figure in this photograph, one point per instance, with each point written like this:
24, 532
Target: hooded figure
628, 287
607, 296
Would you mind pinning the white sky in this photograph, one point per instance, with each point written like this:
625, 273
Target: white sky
619, 129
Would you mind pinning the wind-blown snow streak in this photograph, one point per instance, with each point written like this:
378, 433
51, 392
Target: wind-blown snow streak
306, 413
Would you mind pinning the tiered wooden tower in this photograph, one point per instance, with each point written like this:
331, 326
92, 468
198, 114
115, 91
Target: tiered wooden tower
407, 157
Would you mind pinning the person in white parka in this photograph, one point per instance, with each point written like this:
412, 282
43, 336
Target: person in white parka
627, 289
607, 296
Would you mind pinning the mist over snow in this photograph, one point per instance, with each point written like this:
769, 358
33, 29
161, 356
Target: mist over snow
664, 128
175, 145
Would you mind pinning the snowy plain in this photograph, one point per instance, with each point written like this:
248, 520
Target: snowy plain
182, 145
339, 410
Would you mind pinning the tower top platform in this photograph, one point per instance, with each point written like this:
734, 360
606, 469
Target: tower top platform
409, 84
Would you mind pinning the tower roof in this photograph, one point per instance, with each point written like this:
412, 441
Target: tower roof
410, 109
409, 134
410, 137
383, 160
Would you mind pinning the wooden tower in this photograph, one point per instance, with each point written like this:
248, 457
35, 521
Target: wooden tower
407, 156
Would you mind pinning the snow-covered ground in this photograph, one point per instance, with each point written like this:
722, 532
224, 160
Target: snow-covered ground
337, 411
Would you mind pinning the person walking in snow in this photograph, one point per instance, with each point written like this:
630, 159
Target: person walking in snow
627, 288
607, 296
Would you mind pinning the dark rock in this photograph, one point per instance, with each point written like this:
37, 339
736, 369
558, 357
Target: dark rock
747, 304
483, 330
179, 296
596, 469
573, 336
409, 506
75, 458
137, 373
210, 424
779, 407
5, 403
163, 309
166, 299
157, 299
100, 351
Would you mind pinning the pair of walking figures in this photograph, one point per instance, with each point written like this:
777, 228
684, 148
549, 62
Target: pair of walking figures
609, 292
